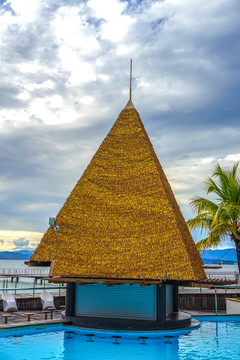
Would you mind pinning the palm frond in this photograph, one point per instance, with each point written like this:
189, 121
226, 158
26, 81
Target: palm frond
230, 213
212, 187
220, 219
228, 183
203, 244
202, 222
234, 170
218, 233
217, 215
200, 204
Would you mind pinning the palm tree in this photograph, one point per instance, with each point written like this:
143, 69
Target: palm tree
220, 218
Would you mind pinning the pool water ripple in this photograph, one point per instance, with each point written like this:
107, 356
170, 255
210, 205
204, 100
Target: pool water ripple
215, 340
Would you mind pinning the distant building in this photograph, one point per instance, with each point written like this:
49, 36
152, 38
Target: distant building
122, 244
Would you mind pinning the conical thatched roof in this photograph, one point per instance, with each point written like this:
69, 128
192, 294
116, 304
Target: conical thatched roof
121, 221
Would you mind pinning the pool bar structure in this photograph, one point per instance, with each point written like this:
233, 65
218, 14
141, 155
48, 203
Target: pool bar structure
125, 307
120, 241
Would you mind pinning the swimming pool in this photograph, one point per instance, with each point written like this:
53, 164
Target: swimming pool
216, 338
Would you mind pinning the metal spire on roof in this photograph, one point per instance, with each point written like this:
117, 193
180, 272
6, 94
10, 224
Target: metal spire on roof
130, 95
130, 104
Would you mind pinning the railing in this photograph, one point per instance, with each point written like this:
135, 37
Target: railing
33, 289
24, 271
11, 279
231, 275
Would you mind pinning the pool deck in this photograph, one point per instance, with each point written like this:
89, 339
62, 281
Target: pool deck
19, 319
204, 312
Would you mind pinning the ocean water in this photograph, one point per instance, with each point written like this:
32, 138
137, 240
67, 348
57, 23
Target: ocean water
12, 264
19, 264
225, 272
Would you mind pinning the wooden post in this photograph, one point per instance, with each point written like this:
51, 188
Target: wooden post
15, 286
51, 268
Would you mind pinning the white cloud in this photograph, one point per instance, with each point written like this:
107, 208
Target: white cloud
21, 243
72, 30
116, 23
107, 9
30, 67
18, 239
26, 10
87, 100
231, 158
53, 110
24, 95
116, 29
208, 160
125, 50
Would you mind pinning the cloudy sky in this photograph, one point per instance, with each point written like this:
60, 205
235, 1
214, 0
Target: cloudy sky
64, 75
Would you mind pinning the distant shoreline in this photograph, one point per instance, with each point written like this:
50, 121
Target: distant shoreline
16, 255
224, 256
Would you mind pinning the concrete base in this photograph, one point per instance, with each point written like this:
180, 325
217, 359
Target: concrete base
178, 320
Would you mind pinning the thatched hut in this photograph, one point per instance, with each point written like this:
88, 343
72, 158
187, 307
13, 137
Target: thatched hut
121, 225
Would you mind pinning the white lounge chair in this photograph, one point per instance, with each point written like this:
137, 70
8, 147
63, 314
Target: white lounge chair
9, 303
47, 300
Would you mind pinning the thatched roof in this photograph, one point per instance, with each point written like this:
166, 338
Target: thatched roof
121, 221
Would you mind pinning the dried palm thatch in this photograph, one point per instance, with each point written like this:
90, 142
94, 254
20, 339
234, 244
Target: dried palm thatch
121, 221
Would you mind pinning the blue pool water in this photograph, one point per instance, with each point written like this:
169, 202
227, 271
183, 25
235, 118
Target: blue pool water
214, 339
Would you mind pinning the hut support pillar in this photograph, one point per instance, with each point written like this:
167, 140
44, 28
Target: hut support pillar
70, 300
175, 298
161, 305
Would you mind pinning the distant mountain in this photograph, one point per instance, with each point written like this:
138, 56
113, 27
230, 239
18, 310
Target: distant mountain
16, 255
227, 256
